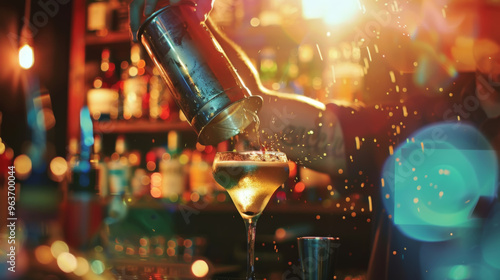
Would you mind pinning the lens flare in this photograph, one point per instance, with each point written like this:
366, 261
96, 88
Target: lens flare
490, 243
458, 262
433, 183
332, 12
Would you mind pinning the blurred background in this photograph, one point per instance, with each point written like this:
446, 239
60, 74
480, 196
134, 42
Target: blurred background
110, 181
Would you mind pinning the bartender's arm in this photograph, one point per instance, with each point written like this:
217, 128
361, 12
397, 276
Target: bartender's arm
297, 125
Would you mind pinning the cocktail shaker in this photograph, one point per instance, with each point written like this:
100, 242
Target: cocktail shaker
204, 83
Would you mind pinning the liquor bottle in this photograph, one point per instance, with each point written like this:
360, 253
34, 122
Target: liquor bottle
81, 211
98, 17
118, 167
98, 161
138, 187
107, 77
200, 171
172, 170
102, 99
119, 16
135, 85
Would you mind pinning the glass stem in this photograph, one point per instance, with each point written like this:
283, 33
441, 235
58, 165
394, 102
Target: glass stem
251, 226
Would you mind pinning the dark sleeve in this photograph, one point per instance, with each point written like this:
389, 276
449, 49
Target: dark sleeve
372, 133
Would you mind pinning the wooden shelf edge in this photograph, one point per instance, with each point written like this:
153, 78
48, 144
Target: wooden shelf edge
110, 38
138, 126
226, 207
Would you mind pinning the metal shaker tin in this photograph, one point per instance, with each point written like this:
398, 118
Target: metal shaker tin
198, 73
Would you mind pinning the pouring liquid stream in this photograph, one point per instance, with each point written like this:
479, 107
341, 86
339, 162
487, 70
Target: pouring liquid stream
250, 138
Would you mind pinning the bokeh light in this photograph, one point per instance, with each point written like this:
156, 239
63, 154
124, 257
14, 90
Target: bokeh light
67, 262
280, 234
156, 192
299, 187
23, 166
459, 272
58, 168
43, 254
97, 267
490, 241
82, 266
200, 268
87, 127
458, 262
434, 181
59, 247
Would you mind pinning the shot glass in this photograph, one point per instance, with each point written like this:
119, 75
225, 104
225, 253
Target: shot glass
318, 256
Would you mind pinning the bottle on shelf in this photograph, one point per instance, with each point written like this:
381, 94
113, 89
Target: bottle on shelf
102, 99
81, 211
100, 164
138, 185
172, 170
201, 180
135, 86
98, 17
119, 168
119, 16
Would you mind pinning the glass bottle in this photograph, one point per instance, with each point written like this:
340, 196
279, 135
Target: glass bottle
118, 167
102, 99
98, 17
99, 162
135, 86
172, 170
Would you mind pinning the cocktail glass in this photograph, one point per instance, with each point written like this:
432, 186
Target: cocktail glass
250, 178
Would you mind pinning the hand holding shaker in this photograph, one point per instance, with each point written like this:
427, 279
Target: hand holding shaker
198, 73
317, 257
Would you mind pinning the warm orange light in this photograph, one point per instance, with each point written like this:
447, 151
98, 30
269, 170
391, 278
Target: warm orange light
332, 12
292, 167
26, 56
67, 262
43, 254
299, 187
280, 233
156, 179
23, 166
82, 266
195, 197
155, 192
200, 268
58, 166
